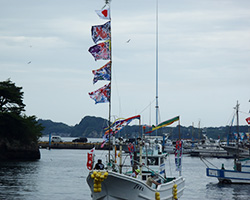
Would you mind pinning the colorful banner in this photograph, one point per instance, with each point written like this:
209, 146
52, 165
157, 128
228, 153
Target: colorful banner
242, 136
235, 135
104, 13
105, 139
120, 124
165, 123
104, 73
102, 95
90, 160
116, 126
131, 150
178, 155
101, 32
248, 120
101, 51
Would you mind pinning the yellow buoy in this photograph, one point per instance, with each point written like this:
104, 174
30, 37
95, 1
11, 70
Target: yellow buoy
98, 179
97, 175
157, 196
175, 192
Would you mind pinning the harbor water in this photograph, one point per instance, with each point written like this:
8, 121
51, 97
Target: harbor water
61, 174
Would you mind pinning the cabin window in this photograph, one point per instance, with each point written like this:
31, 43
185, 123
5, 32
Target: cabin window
153, 161
162, 160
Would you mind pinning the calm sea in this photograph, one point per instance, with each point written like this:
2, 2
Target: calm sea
61, 174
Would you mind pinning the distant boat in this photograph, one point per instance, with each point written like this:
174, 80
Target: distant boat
241, 171
209, 148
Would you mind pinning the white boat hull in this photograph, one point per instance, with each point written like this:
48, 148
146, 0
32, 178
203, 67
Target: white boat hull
229, 176
122, 187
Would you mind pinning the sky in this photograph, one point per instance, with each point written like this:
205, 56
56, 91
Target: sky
203, 60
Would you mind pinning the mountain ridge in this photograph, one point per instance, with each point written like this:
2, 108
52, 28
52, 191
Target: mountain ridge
93, 127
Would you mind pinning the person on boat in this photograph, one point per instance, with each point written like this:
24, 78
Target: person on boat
151, 180
99, 165
135, 173
222, 167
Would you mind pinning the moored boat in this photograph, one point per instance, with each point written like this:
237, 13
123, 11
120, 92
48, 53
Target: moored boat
143, 176
120, 184
240, 173
241, 170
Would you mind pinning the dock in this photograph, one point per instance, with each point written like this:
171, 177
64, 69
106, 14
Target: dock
72, 145
78, 145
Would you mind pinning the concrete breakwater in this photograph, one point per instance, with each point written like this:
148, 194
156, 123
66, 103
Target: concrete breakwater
79, 145
73, 145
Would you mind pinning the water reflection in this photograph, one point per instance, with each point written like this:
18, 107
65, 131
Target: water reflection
17, 179
61, 174
227, 191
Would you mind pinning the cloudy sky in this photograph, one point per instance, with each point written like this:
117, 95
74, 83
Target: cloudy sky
204, 58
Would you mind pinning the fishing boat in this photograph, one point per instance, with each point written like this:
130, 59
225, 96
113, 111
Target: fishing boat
241, 170
118, 183
141, 173
209, 148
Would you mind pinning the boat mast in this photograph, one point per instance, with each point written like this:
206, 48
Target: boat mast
156, 99
237, 118
237, 128
107, 2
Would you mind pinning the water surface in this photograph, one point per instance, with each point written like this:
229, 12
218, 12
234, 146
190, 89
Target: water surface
61, 174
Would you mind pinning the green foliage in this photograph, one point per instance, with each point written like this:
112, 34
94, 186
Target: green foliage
32, 130
24, 129
14, 126
11, 98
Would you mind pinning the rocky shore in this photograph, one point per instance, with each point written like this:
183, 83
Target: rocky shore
15, 151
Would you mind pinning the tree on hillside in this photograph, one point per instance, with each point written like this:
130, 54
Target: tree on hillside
11, 98
14, 125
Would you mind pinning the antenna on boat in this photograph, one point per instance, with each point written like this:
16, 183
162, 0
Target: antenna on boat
107, 2
156, 98
238, 132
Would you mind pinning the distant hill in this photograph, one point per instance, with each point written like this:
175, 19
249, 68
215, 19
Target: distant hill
93, 127
88, 127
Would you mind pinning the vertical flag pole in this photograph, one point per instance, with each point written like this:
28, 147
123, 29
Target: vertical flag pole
108, 3
101, 96
179, 128
156, 106
180, 144
237, 128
